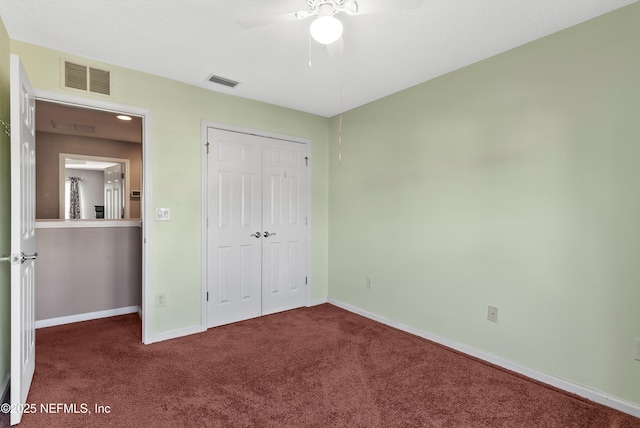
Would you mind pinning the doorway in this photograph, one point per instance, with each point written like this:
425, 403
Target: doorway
137, 197
257, 234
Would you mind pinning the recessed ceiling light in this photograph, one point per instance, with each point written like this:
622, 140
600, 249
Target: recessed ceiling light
123, 117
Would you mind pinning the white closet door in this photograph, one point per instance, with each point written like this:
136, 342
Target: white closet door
257, 233
284, 218
235, 229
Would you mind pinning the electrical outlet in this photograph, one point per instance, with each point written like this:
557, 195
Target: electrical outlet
492, 314
637, 349
160, 300
367, 282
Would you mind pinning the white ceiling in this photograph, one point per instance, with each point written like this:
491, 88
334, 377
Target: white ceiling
87, 165
189, 40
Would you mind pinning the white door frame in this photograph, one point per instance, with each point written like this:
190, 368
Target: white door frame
204, 179
78, 101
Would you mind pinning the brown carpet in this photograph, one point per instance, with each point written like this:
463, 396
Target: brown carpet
312, 367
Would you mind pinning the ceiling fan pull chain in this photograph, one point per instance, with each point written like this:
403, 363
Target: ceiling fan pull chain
309, 46
340, 125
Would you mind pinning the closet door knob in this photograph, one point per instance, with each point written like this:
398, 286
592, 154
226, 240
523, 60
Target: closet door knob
267, 234
257, 234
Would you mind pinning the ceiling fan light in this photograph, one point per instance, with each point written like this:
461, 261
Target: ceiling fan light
326, 29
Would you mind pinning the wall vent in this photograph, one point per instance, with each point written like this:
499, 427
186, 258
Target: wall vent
75, 76
99, 81
222, 81
88, 79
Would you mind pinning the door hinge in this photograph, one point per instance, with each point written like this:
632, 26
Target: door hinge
14, 259
306, 280
306, 160
207, 147
207, 296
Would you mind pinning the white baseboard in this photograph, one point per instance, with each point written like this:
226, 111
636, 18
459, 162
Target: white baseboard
318, 302
173, 334
574, 388
4, 387
86, 316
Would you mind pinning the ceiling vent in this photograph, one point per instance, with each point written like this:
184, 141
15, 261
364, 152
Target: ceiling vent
68, 126
222, 81
88, 79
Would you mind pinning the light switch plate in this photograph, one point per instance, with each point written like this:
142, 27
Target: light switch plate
163, 214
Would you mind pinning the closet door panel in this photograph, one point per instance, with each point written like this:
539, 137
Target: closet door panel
284, 218
235, 227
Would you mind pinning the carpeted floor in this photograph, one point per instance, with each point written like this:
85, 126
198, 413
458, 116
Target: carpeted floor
311, 367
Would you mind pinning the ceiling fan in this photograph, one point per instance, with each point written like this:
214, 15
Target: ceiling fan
326, 28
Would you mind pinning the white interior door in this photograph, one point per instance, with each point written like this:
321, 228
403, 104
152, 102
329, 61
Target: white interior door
254, 182
284, 220
23, 161
113, 187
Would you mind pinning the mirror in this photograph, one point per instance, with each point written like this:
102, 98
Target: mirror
85, 135
93, 187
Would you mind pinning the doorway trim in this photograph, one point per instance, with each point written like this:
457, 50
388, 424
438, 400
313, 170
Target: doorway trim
96, 104
204, 125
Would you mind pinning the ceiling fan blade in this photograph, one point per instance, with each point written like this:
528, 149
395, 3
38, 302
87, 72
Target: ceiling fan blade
269, 20
366, 7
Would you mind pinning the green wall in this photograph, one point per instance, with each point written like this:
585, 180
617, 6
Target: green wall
5, 214
177, 110
514, 182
